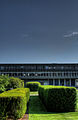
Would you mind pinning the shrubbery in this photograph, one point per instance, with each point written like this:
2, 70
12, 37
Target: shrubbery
33, 86
7, 83
15, 83
13, 103
4, 81
58, 98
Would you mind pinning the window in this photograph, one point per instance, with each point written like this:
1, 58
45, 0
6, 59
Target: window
56, 82
62, 67
46, 67
67, 82
62, 82
51, 82
2, 67
72, 82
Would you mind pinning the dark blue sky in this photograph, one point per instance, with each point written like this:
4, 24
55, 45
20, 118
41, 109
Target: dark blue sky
34, 31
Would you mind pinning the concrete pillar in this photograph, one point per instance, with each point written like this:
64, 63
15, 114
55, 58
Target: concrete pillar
48, 82
59, 82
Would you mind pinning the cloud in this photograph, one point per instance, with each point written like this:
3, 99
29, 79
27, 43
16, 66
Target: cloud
73, 34
25, 35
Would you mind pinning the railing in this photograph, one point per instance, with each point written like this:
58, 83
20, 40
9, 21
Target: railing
42, 75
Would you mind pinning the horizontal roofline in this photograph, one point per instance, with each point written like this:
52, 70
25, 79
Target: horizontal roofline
39, 63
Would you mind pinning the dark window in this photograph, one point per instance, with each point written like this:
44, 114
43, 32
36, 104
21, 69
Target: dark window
62, 82
51, 82
72, 82
56, 82
67, 82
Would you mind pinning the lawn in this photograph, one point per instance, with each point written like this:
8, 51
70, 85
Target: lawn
34, 93
37, 111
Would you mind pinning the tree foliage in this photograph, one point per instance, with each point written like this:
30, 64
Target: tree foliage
15, 83
7, 83
4, 81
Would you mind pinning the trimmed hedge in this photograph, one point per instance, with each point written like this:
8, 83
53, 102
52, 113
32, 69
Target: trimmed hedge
58, 98
13, 103
33, 86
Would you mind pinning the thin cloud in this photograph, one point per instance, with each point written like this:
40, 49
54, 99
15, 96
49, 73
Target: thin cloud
25, 35
73, 34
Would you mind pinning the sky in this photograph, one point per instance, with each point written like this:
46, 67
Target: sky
38, 31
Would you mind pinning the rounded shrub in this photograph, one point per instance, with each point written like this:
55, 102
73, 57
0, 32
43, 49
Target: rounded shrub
33, 86
15, 83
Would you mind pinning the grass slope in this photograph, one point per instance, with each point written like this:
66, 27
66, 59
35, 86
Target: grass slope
37, 111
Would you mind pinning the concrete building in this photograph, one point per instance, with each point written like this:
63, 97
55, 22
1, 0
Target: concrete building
53, 74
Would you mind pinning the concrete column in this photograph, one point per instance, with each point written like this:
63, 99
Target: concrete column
59, 82
48, 82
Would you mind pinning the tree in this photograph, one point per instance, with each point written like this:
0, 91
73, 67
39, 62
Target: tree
7, 83
15, 83
4, 81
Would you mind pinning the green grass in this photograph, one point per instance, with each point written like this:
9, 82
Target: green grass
37, 111
34, 93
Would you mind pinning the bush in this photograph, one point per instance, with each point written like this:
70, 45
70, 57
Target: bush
4, 81
33, 86
7, 83
13, 103
15, 83
58, 98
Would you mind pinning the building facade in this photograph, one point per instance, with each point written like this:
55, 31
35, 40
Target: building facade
52, 74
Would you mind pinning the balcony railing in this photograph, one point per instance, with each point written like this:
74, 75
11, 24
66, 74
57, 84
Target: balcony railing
42, 75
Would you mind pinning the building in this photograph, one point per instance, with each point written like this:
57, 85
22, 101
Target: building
53, 74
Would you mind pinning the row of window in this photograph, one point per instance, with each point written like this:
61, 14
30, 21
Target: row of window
62, 82
39, 67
